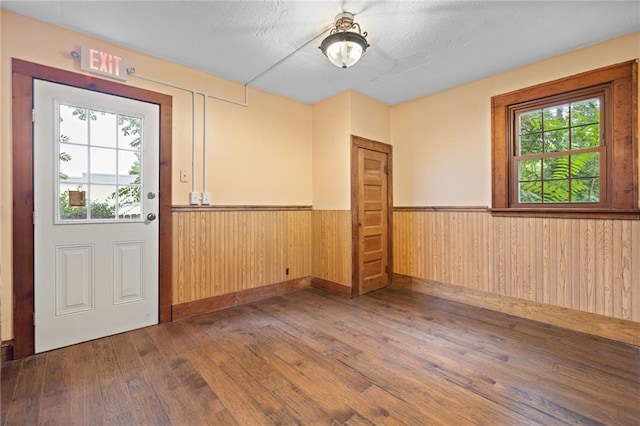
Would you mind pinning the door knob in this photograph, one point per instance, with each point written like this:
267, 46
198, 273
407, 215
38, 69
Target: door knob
151, 217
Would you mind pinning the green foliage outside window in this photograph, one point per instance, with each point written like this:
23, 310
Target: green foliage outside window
557, 162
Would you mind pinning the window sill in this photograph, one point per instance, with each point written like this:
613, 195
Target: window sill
568, 213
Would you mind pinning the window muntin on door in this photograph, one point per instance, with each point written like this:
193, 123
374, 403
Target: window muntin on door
99, 157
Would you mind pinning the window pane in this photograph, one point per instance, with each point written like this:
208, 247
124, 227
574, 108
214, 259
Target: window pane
556, 191
128, 167
585, 165
73, 124
531, 144
585, 136
103, 129
530, 169
530, 122
585, 190
73, 163
103, 203
585, 112
129, 205
556, 167
556, 140
67, 212
129, 132
103, 165
530, 192
555, 117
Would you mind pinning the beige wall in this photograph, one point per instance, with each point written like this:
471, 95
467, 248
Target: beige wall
257, 155
442, 142
370, 118
330, 154
335, 119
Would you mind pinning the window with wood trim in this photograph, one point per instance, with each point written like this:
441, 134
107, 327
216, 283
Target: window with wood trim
568, 147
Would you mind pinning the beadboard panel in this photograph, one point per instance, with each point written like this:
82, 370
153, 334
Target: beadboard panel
220, 252
331, 236
591, 265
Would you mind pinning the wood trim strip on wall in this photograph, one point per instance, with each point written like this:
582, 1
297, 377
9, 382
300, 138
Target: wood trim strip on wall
331, 287
223, 301
23, 74
22, 219
238, 208
6, 351
584, 322
440, 208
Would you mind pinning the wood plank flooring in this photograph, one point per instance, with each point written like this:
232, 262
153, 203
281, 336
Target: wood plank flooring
389, 357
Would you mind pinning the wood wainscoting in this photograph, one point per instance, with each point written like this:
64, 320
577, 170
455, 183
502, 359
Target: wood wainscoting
588, 265
584, 322
227, 250
331, 247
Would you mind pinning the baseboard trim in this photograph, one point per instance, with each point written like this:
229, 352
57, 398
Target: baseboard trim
331, 287
6, 351
216, 303
585, 322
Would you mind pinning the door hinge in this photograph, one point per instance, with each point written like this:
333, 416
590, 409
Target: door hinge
386, 269
34, 319
386, 169
33, 115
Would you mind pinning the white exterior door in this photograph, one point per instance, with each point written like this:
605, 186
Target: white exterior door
96, 174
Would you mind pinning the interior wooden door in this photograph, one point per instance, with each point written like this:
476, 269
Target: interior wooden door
372, 220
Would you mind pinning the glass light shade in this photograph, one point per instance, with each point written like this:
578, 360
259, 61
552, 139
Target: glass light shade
344, 49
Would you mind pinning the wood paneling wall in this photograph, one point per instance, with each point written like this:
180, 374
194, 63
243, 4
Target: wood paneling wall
590, 265
220, 252
331, 245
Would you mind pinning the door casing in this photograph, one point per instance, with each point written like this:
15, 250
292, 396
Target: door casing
23, 74
358, 142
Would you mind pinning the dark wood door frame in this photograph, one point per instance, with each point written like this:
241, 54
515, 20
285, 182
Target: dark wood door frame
356, 143
23, 75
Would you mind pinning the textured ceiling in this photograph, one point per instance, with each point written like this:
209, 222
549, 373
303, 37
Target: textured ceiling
417, 47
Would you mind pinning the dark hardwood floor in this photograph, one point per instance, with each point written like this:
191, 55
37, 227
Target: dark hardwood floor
390, 357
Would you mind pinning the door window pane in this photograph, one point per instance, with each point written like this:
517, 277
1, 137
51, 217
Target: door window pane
73, 163
103, 165
99, 158
66, 210
128, 167
103, 129
73, 124
129, 132
103, 201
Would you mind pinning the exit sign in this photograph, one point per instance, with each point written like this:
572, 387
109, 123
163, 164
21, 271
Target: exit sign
103, 63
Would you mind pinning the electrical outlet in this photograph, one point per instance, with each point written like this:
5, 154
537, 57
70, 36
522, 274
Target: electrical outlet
194, 198
206, 199
184, 175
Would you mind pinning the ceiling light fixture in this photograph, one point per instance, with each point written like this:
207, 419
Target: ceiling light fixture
343, 46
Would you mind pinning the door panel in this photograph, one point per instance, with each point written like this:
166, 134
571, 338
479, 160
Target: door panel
96, 159
372, 220
74, 281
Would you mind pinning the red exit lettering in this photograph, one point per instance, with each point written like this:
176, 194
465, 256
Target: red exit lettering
104, 62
